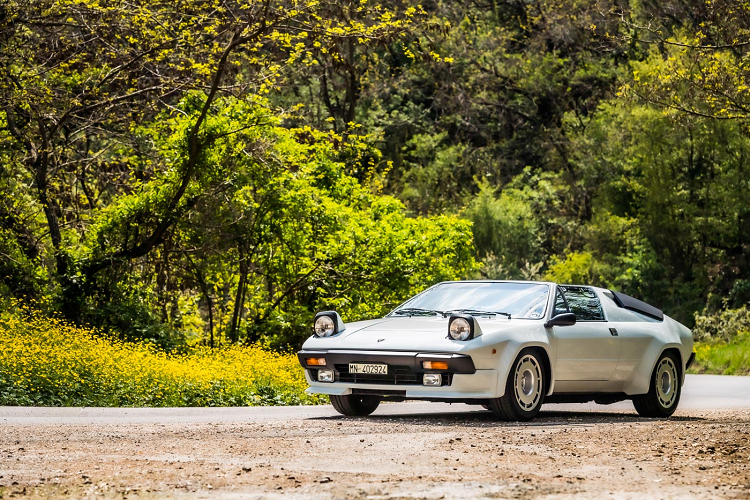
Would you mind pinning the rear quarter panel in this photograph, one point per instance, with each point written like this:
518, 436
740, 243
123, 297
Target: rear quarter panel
643, 344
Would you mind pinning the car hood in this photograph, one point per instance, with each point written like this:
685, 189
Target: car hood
410, 333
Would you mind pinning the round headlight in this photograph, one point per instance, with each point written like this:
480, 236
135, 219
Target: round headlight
324, 326
460, 329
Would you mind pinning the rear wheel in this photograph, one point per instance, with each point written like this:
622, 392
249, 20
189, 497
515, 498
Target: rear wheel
524, 389
665, 389
353, 405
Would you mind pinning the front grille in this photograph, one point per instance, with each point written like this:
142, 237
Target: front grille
397, 375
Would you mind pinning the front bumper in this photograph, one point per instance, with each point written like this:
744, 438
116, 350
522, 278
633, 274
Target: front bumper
460, 381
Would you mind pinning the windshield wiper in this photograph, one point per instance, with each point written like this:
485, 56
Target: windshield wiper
411, 311
478, 312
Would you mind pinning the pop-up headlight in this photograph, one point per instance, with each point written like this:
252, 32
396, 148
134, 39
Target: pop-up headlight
461, 327
327, 323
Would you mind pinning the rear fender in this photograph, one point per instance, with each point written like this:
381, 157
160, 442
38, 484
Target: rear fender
640, 381
675, 336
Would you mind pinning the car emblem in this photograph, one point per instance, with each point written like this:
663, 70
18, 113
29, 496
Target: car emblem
380, 340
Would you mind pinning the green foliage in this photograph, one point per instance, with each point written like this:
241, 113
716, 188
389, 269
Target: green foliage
723, 342
20, 276
723, 358
575, 269
287, 230
164, 206
505, 230
723, 326
696, 69
219, 175
429, 165
667, 211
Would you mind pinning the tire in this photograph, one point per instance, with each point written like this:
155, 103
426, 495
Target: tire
664, 391
524, 389
352, 405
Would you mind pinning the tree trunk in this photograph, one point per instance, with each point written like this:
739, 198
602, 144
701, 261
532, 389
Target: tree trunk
239, 302
207, 295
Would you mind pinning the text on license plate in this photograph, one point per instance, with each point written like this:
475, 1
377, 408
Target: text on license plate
369, 368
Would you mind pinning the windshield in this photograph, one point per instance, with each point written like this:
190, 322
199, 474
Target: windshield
519, 300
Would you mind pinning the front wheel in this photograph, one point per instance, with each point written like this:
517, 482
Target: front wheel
664, 391
524, 389
353, 405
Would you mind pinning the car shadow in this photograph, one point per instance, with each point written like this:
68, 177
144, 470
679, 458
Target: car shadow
484, 418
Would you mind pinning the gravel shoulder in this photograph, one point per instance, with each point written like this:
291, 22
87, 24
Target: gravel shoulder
402, 451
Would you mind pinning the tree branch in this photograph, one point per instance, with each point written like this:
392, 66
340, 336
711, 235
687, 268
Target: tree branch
195, 147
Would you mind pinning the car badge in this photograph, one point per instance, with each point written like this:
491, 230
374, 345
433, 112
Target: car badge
380, 340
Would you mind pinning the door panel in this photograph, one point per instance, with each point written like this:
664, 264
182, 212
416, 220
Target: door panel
586, 351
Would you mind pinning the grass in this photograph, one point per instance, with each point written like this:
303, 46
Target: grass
723, 358
46, 361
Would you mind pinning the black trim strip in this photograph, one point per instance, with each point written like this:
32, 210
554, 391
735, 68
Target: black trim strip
457, 363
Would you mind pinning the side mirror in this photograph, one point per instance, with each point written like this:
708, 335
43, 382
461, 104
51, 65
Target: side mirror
566, 319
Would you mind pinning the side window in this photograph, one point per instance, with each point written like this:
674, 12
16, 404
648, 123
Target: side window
560, 306
583, 303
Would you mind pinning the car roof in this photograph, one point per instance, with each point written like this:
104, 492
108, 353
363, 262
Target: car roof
529, 282
501, 281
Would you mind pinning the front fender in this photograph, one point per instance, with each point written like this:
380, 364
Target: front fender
510, 351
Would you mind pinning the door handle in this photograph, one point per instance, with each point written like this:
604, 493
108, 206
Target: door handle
613, 331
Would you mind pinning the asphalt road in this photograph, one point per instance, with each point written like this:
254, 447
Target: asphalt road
701, 392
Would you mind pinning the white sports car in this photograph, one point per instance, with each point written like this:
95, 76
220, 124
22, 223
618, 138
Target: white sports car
507, 345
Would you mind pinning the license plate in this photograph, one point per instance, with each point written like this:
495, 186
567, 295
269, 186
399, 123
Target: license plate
369, 368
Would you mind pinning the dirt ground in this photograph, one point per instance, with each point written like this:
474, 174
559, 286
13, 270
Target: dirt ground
696, 454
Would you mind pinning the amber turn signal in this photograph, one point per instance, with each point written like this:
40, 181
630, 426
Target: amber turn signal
316, 361
434, 365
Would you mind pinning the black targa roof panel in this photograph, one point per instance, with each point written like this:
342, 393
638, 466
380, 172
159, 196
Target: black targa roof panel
629, 302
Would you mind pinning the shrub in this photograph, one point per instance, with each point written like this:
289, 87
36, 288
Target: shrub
47, 361
574, 269
723, 342
506, 232
724, 325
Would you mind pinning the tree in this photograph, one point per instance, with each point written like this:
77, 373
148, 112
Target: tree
695, 57
298, 233
78, 76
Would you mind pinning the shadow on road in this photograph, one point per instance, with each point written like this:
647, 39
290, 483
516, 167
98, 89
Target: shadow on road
484, 418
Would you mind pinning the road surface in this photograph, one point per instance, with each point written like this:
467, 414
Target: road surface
404, 450
701, 392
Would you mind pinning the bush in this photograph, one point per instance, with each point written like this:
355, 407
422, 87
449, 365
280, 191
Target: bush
723, 342
46, 361
722, 326
506, 233
574, 269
